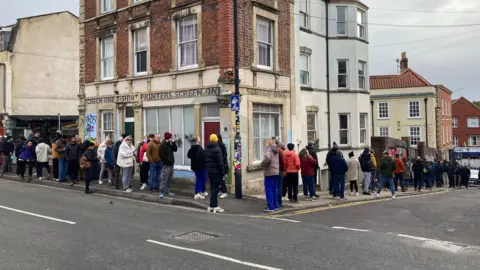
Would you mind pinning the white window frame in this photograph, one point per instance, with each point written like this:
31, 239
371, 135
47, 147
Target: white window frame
472, 118
103, 5
471, 140
180, 21
304, 14
454, 122
307, 72
104, 129
414, 103
271, 114
315, 130
362, 67
344, 129
136, 1
363, 130
417, 138
384, 131
443, 108
361, 25
455, 140
271, 25
385, 115
136, 51
342, 74
344, 22
104, 59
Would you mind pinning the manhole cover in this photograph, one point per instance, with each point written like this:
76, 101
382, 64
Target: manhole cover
195, 237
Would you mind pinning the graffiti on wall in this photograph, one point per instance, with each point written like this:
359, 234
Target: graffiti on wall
90, 126
395, 151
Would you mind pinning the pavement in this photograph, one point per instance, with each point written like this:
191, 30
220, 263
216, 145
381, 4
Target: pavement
45, 227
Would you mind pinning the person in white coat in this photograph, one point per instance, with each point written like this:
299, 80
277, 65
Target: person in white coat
42, 151
101, 158
126, 161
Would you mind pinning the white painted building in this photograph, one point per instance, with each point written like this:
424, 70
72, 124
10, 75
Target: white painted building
346, 58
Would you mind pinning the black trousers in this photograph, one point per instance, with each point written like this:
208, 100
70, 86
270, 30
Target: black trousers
72, 170
215, 182
144, 168
117, 179
40, 166
22, 166
88, 176
352, 185
292, 186
451, 181
223, 185
55, 168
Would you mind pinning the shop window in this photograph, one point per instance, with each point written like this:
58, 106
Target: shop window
107, 125
177, 120
266, 124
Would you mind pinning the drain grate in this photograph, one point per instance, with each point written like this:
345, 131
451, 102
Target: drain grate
195, 236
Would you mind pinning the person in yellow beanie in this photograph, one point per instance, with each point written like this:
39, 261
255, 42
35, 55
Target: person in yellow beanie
214, 138
215, 169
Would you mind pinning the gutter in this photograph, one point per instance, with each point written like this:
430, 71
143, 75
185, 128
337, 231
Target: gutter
373, 124
327, 23
426, 122
4, 92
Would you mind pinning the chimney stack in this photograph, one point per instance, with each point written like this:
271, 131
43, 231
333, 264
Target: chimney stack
404, 62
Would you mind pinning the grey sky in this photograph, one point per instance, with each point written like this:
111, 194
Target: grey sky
449, 57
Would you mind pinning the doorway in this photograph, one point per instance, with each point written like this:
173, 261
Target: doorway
210, 127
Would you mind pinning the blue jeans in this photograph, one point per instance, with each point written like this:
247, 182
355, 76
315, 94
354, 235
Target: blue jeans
155, 172
271, 191
382, 184
200, 181
372, 179
338, 182
62, 169
398, 180
308, 186
280, 188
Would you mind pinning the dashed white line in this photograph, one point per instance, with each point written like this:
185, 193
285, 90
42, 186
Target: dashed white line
275, 218
350, 229
37, 215
221, 257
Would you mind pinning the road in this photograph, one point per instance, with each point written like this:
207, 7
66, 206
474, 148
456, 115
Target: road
49, 228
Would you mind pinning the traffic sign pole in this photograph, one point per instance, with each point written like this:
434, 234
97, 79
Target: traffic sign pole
238, 139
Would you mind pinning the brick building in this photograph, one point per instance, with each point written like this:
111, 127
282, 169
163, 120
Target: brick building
154, 66
466, 123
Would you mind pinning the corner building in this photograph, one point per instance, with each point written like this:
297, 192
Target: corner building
155, 66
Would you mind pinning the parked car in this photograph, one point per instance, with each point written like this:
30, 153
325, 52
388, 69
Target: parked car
474, 181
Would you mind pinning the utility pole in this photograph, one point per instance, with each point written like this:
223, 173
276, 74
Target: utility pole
238, 139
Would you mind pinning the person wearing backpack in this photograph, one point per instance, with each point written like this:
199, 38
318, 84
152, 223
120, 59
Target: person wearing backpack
88, 161
366, 165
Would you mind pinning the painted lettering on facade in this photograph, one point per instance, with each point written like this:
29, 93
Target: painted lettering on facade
266, 93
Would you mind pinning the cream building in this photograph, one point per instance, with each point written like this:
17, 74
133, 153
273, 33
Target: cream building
39, 73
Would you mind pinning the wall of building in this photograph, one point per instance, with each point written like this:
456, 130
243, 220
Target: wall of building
46, 70
462, 109
399, 121
5, 82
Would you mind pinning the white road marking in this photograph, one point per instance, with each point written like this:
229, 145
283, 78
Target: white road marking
412, 237
275, 218
259, 266
37, 215
350, 229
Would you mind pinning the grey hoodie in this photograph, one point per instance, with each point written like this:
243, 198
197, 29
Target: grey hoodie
270, 161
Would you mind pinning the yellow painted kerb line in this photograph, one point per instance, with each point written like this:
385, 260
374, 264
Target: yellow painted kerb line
306, 211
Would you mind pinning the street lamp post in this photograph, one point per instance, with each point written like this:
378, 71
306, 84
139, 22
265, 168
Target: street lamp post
238, 138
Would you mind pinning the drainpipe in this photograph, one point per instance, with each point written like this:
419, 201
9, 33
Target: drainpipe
328, 73
426, 122
373, 124
4, 86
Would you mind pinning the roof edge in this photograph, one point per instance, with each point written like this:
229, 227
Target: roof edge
47, 14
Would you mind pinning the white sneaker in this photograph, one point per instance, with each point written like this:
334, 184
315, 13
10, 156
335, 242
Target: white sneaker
393, 197
351, 193
218, 210
100, 182
223, 196
198, 196
210, 209
128, 190
40, 178
378, 195
109, 181
143, 186
358, 194
205, 194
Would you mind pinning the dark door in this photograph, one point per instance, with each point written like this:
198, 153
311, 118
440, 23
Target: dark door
208, 129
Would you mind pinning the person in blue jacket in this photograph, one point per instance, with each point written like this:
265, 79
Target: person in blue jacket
26, 157
338, 167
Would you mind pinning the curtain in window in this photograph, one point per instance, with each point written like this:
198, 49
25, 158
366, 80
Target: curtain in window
188, 41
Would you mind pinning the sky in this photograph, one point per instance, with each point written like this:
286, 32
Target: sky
442, 55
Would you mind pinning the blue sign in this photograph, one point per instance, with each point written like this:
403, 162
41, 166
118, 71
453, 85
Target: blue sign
235, 103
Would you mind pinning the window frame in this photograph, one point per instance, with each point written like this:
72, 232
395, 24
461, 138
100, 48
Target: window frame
135, 52
362, 64
271, 24
411, 137
380, 131
103, 58
362, 24
409, 109
102, 6
343, 129
109, 131
271, 115
454, 122
364, 129
470, 140
304, 14
455, 140
179, 44
379, 114
343, 74
344, 22
471, 118
315, 130
307, 71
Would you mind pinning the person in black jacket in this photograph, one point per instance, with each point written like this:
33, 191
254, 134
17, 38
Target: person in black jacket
451, 171
215, 169
72, 153
18, 149
331, 153
167, 148
8, 150
91, 156
366, 165
417, 169
223, 186
117, 170
464, 173
195, 154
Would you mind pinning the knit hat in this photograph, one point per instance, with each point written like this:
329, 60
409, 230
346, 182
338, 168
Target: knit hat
167, 135
213, 138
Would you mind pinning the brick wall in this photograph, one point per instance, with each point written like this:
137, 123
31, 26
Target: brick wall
90, 52
462, 109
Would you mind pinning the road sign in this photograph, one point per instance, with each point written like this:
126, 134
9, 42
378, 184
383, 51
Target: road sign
235, 103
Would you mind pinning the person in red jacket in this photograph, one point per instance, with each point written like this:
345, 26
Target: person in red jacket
399, 171
292, 163
308, 165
